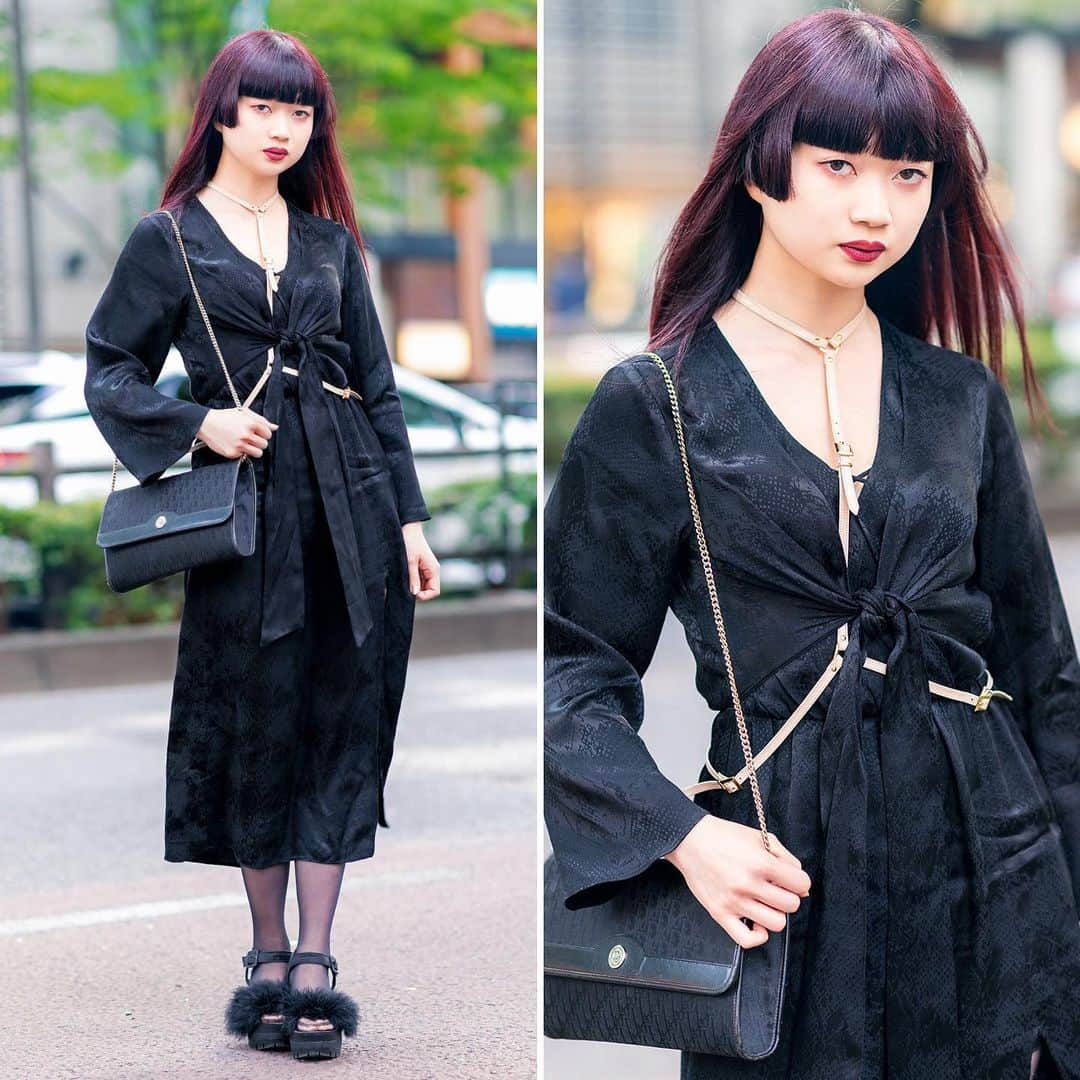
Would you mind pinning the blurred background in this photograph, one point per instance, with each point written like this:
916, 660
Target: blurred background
634, 93
437, 121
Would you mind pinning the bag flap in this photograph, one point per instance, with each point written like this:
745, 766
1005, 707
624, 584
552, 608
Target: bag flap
189, 500
651, 932
622, 960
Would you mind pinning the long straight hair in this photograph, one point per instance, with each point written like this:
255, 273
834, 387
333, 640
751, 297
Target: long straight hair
853, 82
274, 65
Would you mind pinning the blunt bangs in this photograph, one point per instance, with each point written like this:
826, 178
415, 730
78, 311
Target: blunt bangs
279, 74
874, 108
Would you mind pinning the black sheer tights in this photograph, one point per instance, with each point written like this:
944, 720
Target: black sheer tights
318, 886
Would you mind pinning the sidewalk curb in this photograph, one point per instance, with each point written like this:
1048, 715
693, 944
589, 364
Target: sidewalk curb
67, 659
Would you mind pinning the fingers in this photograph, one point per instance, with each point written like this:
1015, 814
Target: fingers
257, 423
776, 897
774, 842
785, 869
764, 915
742, 934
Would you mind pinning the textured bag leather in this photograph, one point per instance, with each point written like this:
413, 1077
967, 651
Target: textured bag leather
650, 966
149, 531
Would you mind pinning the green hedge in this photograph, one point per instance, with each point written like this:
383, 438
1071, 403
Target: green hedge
68, 571
564, 400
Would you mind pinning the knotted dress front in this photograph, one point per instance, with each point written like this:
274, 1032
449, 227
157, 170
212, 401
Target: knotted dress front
292, 662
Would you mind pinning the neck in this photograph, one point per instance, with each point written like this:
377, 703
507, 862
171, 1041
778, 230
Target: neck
788, 288
243, 183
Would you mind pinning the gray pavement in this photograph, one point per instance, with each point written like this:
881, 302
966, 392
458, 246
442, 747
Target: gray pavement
118, 965
677, 748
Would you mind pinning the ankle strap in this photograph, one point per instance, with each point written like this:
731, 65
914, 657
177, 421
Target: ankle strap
325, 959
263, 956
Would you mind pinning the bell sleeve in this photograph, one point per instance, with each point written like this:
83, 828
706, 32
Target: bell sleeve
1031, 652
613, 534
127, 340
374, 379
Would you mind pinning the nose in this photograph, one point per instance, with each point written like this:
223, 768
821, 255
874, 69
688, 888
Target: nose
278, 123
871, 206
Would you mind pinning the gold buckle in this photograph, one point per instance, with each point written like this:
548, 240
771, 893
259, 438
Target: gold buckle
987, 692
843, 448
727, 783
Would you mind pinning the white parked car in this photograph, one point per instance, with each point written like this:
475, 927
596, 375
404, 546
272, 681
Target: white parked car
44, 402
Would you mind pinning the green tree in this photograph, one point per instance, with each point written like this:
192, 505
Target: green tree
397, 101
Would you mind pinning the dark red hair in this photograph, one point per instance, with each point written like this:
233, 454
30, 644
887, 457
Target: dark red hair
276, 66
853, 82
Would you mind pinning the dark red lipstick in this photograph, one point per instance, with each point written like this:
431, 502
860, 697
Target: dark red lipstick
863, 250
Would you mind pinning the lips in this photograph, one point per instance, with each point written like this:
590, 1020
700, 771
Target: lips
863, 250
276, 154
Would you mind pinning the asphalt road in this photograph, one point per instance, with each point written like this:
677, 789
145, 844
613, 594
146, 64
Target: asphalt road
118, 965
677, 748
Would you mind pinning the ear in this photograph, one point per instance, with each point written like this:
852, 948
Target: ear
754, 191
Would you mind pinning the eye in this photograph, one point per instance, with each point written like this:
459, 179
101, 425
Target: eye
303, 112
835, 161
914, 179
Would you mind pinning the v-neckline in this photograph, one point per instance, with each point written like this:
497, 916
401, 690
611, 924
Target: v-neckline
788, 440
290, 254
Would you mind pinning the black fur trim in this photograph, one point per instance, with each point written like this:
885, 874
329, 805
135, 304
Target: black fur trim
249, 1002
320, 1003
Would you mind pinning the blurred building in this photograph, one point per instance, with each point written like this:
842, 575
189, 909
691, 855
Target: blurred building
635, 91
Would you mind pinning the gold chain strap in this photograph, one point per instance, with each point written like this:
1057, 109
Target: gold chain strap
706, 563
206, 319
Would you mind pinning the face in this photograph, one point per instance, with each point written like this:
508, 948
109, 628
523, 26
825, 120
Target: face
262, 124
838, 199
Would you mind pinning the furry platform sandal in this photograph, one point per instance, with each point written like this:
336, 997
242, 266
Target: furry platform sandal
318, 1003
250, 1002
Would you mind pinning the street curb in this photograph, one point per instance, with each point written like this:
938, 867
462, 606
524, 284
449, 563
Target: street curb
68, 659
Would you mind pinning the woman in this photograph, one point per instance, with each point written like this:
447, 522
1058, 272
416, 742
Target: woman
881, 515
291, 662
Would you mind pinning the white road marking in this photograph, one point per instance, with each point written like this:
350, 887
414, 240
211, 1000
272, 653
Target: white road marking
159, 908
506, 757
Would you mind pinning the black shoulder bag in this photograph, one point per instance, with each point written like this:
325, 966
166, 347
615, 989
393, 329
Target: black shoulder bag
651, 966
205, 515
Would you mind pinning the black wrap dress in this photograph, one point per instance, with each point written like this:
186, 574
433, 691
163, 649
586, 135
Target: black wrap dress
941, 934
292, 661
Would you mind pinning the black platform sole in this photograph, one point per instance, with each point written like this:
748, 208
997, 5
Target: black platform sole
269, 1037
315, 1044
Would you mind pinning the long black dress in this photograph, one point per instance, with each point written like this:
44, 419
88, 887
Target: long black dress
292, 662
941, 932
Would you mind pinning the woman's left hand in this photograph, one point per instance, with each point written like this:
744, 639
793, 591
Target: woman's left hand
423, 566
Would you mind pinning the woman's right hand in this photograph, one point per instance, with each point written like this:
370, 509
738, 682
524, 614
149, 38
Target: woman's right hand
728, 870
232, 432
